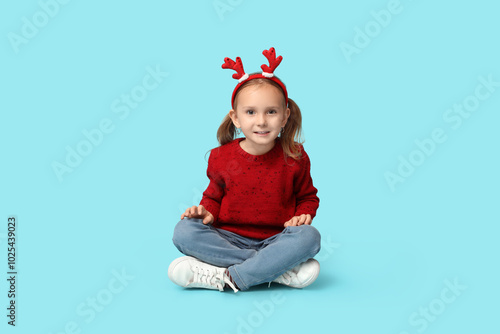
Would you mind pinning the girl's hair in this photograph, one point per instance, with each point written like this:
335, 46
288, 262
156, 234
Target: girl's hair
291, 137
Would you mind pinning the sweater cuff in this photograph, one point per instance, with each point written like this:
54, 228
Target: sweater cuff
305, 211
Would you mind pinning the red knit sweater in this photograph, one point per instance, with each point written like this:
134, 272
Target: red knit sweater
254, 195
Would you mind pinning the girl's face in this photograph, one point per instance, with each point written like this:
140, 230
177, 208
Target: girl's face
260, 113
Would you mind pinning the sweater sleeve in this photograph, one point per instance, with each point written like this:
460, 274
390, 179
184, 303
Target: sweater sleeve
212, 196
305, 193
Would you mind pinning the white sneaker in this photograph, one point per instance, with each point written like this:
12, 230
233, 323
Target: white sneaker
300, 276
190, 272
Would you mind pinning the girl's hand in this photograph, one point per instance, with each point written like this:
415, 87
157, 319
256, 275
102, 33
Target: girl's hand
299, 220
199, 212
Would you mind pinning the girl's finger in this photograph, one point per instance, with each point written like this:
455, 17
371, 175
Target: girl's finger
308, 220
302, 219
207, 220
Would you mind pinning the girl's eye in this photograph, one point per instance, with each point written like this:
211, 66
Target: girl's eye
272, 111
250, 112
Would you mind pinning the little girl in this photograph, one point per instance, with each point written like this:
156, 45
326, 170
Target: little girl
253, 224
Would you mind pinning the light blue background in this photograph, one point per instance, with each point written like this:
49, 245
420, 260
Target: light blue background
385, 253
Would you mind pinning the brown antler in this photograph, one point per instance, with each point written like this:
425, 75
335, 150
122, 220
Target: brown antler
234, 65
273, 61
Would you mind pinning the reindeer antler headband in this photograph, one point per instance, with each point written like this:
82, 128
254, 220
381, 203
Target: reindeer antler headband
267, 72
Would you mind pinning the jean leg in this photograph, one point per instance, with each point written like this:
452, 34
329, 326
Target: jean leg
208, 244
282, 252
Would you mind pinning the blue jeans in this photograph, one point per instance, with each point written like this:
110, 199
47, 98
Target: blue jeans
249, 261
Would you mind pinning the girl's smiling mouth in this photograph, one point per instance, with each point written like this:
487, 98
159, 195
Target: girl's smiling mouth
262, 133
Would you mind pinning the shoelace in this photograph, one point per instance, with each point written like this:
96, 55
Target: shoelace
207, 276
287, 278
228, 282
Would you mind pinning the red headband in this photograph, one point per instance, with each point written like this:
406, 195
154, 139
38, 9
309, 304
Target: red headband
267, 72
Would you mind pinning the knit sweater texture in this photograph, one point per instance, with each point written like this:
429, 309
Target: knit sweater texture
254, 195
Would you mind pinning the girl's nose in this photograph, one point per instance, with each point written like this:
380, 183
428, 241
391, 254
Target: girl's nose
261, 120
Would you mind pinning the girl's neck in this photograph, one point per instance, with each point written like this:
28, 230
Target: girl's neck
260, 150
